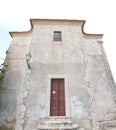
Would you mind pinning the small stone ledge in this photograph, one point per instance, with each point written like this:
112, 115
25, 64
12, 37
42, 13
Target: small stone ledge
65, 127
107, 125
99, 41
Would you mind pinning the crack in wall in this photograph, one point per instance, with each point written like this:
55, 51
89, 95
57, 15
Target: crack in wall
109, 73
90, 89
87, 79
21, 107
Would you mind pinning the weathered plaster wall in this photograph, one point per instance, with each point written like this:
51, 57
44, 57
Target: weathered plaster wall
102, 90
13, 82
80, 60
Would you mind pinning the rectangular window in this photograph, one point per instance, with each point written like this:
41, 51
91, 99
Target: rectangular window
57, 36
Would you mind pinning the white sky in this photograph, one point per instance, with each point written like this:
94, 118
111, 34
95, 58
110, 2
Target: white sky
99, 15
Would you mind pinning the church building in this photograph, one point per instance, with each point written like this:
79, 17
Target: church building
58, 78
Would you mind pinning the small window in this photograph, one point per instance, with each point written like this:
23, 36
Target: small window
57, 36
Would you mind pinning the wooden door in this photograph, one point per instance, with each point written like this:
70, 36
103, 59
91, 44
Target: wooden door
57, 105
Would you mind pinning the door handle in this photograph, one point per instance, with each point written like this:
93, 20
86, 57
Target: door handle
53, 92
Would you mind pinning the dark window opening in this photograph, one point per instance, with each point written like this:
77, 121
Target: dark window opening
57, 36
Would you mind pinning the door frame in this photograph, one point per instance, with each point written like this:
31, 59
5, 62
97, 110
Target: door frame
48, 94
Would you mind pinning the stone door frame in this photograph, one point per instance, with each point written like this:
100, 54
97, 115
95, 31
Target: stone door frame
67, 95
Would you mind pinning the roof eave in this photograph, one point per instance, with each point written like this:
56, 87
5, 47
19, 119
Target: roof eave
82, 23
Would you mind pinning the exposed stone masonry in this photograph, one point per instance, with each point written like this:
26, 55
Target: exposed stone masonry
21, 106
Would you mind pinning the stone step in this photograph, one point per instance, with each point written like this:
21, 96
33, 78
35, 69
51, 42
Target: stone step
60, 127
62, 123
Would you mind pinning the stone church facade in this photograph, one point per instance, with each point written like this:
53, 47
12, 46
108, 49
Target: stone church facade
58, 78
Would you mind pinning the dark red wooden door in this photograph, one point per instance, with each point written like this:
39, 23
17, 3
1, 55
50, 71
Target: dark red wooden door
54, 98
57, 106
61, 98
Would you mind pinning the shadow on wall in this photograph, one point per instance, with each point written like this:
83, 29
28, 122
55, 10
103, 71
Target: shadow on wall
10, 125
